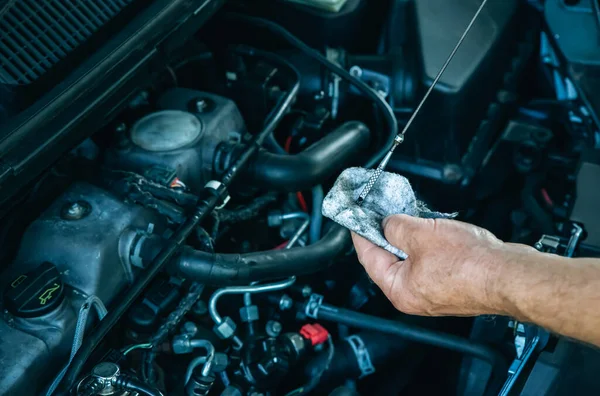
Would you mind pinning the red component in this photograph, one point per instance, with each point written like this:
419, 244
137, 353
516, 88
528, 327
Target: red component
281, 246
302, 201
315, 333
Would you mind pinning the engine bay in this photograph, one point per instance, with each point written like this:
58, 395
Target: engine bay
180, 248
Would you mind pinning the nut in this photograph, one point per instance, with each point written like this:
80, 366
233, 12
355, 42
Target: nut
273, 328
285, 302
220, 362
275, 219
181, 344
225, 329
189, 328
200, 308
249, 313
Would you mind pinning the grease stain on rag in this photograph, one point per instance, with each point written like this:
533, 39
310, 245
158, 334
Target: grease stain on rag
392, 194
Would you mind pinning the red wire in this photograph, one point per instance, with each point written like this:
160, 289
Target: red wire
281, 246
301, 200
546, 197
288, 144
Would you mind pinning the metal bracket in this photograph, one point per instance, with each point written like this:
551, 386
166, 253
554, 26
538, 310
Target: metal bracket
313, 305
362, 355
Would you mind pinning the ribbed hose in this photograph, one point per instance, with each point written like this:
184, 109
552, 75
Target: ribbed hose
242, 269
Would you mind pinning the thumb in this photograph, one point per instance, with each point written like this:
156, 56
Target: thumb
402, 230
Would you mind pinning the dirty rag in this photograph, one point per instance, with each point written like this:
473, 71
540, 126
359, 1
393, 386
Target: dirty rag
392, 194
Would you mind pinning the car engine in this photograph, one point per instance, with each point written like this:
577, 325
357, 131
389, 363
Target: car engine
178, 245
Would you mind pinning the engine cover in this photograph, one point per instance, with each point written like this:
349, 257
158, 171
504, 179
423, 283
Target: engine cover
84, 239
181, 138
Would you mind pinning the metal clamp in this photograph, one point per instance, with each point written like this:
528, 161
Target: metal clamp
362, 355
217, 185
314, 304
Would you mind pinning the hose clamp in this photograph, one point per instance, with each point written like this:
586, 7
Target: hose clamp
363, 358
219, 188
313, 305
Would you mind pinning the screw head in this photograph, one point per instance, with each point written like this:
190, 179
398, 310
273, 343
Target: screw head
306, 291
273, 328
76, 210
200, 308
538, 246
453, 173
189, 328
201, 105
121, 127
285, 302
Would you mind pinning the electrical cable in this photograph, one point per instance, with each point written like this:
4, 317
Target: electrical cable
82, 318
365, 89
210, 198
312, 384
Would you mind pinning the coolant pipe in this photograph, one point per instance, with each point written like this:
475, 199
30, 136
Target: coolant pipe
242, 269
290, 173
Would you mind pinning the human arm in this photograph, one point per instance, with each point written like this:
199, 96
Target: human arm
458, 269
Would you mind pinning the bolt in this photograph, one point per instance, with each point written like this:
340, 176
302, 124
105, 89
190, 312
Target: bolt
200, 308
121, 127
538, 246
285, 302
201, 105
189, 328
356, 71
273, 328
306, 291
75, 210
452, 173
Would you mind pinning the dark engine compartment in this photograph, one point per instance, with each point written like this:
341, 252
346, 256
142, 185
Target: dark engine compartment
188, 217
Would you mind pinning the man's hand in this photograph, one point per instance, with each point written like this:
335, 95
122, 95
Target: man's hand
452, 267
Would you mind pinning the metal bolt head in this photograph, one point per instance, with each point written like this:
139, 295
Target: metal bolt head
356, 71
200, 308
225, 329
75, 210
538, 246
189, 328
285, 302
306, 291
121, 127
453, 173
273, 328
201, 105
105, 374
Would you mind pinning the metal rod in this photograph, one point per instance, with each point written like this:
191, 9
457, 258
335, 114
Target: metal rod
400, 137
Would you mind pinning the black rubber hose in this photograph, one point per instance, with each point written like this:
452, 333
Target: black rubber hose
241, 269
365, 89
209, 200
288, 173
417, 334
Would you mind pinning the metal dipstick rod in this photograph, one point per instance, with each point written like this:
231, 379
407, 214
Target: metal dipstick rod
400, 137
